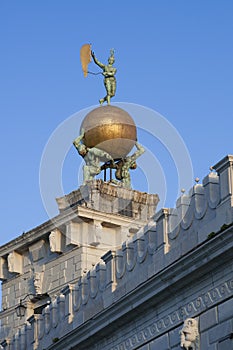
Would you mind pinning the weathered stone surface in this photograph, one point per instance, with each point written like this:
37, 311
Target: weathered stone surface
109, 198
37, 250
55, 241
15, 262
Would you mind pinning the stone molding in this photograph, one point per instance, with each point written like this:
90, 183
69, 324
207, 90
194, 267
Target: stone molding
43, 231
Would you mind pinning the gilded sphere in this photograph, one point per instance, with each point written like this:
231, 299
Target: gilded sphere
111, 129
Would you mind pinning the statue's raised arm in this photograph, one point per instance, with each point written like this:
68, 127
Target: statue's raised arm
109, 76
101, 65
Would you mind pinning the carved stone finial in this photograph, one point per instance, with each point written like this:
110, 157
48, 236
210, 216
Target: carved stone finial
197, 180
189, 335
211, 169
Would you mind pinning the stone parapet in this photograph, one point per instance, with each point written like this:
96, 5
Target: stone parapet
109, 198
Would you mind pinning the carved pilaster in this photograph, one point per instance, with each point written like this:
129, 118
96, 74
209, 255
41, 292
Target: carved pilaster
224, 169
109, 259
37, 325
67, 292
161, 219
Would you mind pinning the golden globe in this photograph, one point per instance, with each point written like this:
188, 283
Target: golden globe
111, 129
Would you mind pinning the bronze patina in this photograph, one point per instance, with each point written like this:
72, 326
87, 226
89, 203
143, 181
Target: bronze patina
108, 71
109, 76
92, 157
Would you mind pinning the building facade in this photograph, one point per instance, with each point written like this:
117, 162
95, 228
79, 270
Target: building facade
111, 273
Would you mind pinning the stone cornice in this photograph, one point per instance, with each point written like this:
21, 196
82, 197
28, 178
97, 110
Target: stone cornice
74, 213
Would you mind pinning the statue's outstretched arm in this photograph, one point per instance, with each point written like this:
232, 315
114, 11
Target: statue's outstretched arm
101, 65
77, 141
138, 153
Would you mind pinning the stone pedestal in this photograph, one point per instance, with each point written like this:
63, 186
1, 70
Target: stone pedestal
109, 198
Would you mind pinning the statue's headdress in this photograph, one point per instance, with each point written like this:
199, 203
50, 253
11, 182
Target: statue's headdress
112, 51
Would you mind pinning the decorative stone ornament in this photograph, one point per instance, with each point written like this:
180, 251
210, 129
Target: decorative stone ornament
55, 241
37, 280
15, 262
189, 335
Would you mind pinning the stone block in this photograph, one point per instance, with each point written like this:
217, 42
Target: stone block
73, 234
173, 254
176, 347
220, 331
37, 250
161, 343
77, 258
78, 267
144, 347
55, 270
55, 284
208, 319
225, 310
204, 342
174, 338
189, 241
226, 344
26, 261
63, 265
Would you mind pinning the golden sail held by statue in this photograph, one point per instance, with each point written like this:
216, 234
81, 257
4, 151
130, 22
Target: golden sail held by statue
85, 57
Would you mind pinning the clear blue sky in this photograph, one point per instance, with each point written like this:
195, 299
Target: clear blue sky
174, 57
